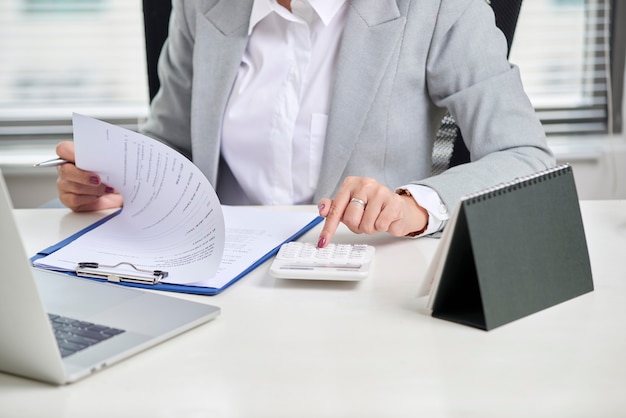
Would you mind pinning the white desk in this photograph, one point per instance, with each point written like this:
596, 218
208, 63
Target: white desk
304, 349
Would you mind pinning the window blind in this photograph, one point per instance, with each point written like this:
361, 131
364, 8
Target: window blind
64, 56
88, 56
562, 49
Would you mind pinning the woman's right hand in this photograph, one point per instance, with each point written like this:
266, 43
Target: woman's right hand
81, 190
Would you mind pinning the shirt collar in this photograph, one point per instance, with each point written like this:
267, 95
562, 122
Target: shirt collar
325, 9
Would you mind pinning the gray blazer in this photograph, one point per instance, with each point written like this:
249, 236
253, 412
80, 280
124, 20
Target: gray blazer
402, 63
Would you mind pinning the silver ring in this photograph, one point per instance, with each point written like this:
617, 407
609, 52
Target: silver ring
359, 201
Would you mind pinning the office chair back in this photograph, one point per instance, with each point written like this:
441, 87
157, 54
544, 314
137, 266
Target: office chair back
156, 17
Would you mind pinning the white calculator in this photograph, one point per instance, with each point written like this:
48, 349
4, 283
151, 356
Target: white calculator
301, 260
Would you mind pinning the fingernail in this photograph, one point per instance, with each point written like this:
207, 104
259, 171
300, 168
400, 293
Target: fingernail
321, 207
109, 189
321, 242
94, 180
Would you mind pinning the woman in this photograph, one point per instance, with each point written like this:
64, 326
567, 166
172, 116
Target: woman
294, 101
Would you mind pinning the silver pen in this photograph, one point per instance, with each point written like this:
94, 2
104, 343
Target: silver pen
51, 163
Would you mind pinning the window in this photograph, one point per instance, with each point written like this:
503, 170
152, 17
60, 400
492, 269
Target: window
88, 56
562, 49
64, 56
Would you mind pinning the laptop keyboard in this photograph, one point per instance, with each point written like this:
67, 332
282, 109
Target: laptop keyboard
73, 335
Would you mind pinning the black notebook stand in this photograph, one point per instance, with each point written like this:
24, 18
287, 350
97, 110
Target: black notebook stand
511, 251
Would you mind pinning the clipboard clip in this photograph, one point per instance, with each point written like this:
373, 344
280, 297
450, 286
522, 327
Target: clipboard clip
106, 272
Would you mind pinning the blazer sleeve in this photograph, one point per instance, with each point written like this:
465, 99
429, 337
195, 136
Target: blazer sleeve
468, 73
170, 110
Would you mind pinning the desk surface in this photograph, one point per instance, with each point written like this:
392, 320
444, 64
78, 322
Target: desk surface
367, 349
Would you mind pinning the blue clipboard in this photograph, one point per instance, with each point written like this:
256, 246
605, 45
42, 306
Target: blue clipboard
196, 290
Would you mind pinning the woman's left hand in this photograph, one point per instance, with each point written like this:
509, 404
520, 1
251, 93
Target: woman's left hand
366, 207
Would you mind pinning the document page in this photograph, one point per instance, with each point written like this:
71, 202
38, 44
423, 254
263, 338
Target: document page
172, 219
251, 233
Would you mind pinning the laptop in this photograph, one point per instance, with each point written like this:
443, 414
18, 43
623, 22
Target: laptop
96, 324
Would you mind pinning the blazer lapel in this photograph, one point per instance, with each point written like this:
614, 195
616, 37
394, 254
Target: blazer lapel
220, 43
371, 28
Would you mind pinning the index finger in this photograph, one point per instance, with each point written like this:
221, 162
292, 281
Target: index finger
335, 214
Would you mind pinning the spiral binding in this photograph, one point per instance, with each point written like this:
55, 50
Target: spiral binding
517, 183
